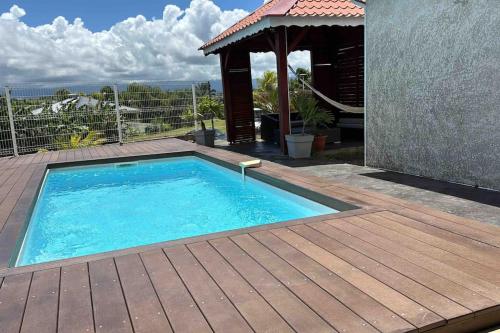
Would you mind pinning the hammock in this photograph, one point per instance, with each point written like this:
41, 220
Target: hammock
343, 107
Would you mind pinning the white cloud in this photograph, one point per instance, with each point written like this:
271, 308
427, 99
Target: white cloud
14, 13
136, 48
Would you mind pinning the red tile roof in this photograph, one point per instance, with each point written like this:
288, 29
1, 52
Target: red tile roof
331, 8
325, 8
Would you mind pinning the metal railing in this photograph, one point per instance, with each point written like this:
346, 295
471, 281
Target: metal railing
35, 118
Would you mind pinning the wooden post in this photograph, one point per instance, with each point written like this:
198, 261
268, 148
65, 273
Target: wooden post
283, 98
226, 90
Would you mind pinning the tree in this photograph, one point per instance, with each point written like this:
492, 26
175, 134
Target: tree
62, 94
302, 73
107, 93
266, 95
204, 89
210, 107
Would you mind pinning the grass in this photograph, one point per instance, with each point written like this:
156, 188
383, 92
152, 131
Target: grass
219, 124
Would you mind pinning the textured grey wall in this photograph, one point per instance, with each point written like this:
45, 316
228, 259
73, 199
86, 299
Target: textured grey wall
433, 88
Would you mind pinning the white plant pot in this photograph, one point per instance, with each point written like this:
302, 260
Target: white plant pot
299, 146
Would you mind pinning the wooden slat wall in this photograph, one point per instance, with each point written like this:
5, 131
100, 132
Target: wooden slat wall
238, 98
349, 74
337, 68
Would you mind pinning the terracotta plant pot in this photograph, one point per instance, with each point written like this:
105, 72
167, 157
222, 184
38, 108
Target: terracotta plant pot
319, 143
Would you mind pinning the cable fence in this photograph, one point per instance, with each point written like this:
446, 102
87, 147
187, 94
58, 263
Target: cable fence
77, 116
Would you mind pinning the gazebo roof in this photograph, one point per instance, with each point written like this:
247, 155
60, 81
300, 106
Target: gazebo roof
288, 13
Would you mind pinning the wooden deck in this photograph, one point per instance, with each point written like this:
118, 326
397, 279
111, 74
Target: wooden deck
390, 266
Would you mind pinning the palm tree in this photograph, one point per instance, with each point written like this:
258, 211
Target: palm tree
311, 114
82, 140
266, 94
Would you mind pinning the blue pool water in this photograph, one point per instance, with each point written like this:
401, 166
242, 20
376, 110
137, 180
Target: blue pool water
88, 210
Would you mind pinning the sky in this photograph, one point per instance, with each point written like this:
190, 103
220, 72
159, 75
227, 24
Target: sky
100, 15
117, 40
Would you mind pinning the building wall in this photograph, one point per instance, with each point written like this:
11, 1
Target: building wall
433, 89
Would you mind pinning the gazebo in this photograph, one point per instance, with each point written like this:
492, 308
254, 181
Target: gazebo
332, 30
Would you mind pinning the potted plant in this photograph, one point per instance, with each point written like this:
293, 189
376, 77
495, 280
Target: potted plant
208, 107
299, 145
322, 118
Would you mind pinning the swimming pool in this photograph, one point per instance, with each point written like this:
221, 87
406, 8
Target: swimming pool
99, 208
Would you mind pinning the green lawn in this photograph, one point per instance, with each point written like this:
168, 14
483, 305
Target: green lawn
219, 124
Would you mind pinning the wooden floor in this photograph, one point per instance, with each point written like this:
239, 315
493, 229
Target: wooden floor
390, 266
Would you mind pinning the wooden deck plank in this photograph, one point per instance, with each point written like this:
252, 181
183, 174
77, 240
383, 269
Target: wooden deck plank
27, 159
11, 181
445, 287
12, 176
406, 308
97, 153
297, 314
70, 155
62, 156
46, 157
430, 299
43, 301
144, 306
219, 311
75, 303
79, 154
13, 212
452, 242
122, 150
109, 151
258, 313
86, 153
363, 305
110, 310
37, 157
116, 150
355, 197
339, 316
429, 215
181, 309
55, 156
478, 285
13, 296
419, 209
455, 242
377, 225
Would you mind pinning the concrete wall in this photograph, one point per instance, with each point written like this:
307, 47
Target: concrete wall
433, 88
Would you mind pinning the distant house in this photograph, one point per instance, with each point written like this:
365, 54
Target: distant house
433, 89
80, 102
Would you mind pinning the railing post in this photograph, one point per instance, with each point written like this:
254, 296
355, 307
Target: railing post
195, 112
118, 118
11, 121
